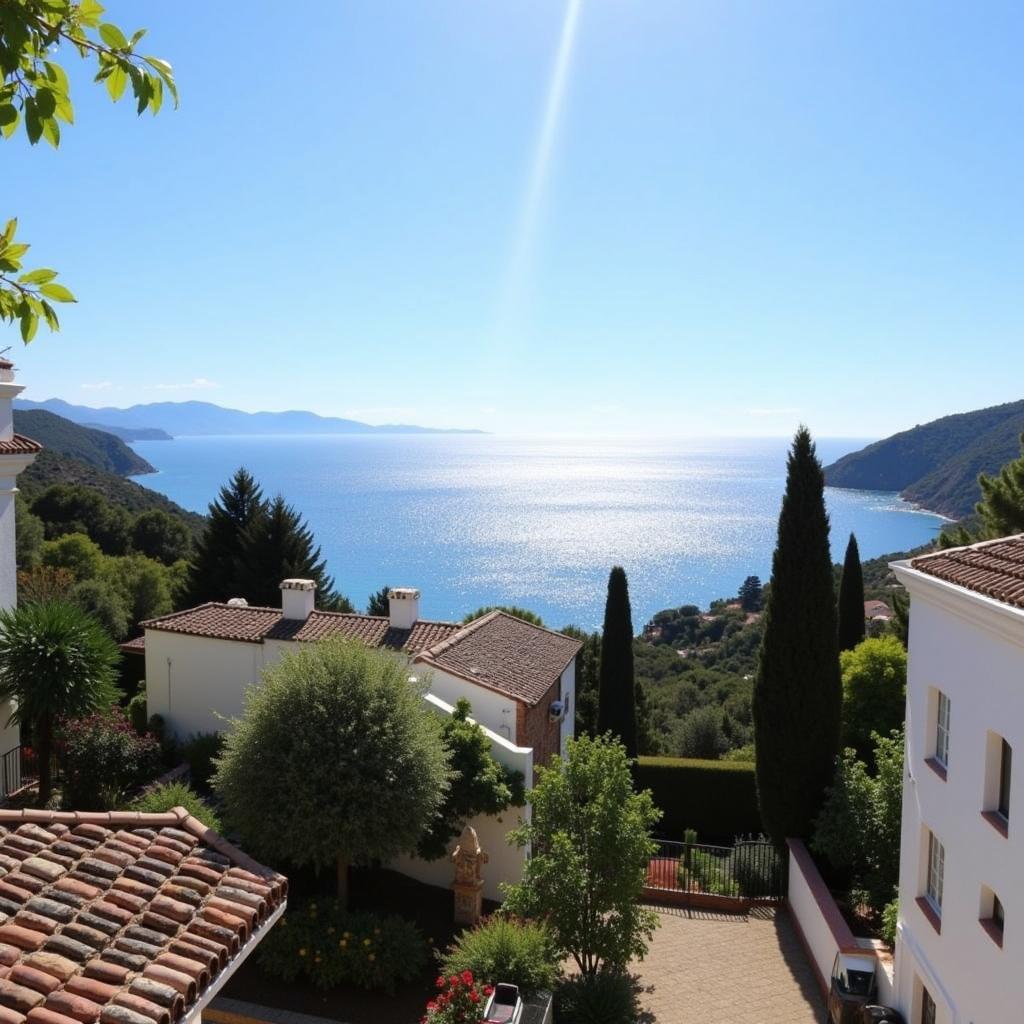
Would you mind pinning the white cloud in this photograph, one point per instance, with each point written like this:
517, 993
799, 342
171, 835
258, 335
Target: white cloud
100, 385
790, 410
197, 384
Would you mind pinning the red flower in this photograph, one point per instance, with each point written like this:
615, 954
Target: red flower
467, 977
474, 995
453, 981
440, 981
488, 990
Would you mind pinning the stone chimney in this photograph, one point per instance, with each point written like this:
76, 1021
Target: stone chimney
297, 598
403, 607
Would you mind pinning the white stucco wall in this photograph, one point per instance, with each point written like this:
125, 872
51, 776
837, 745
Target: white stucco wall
195, 682
492, 710
972, 649
505, 863
568, 694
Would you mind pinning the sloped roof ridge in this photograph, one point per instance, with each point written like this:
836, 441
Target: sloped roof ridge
977, 545
460, 634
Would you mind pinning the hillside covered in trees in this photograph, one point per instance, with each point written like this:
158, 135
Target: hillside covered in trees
937, 464
89, 445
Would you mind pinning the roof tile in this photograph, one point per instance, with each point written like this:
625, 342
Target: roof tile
994, 568
101, 921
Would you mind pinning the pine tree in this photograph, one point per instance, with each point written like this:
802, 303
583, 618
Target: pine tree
851, 599
797, 693
616, 710
278, 546
215, 571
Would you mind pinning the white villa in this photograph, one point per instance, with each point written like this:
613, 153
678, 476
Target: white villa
960, 950
518, 677
17, 453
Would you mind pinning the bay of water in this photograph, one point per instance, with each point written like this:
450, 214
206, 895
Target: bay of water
485, 519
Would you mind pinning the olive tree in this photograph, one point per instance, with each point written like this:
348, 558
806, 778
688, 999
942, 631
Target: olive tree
590, 841
334, 760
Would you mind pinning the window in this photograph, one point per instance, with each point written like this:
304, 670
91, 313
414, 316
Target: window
992, 916
936, 867
942, 731
927, 1007
998, 914
1005, 758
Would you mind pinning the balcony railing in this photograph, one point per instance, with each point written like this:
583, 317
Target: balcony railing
750, 870
19, 768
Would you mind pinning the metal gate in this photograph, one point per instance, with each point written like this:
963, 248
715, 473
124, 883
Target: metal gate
749, 870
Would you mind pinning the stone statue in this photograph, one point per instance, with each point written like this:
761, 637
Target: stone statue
468, 884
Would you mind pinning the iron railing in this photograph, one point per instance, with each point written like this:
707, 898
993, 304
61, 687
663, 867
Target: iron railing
752, 869
19, 768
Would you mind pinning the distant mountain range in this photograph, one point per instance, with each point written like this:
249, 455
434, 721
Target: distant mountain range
937, 464
191, 419
97, 448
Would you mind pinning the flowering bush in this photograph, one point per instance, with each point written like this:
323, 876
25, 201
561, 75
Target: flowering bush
505, 948
326, 945
106, 761
460, 999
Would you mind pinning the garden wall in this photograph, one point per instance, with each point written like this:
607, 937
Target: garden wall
821, 927
717, 798
505, 862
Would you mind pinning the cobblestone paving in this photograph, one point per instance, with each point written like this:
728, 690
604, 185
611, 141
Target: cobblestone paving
710, 968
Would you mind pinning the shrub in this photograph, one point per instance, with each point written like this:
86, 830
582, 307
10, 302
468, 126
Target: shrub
718, 798
506, 949
757, 867
177, 794
137, 712
890, 916
701, 734
200, 751
327, 946
460, 999
106, 761
608, 997
707, 872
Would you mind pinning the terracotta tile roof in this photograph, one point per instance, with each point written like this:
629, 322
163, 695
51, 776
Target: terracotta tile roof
19, 445
122, 918
137, 645
254, 625
506, 654
994, 568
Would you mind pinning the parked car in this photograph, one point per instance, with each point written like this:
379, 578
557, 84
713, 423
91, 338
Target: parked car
882, 1015
504, 1005
853, 987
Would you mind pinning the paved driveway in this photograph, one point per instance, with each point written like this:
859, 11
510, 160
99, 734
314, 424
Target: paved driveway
710, 968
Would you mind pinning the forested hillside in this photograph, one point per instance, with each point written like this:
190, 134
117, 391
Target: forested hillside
937, 464
93, 447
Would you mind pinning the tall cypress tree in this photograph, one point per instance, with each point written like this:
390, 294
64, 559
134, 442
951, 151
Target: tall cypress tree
215, 571
797, 693
616, 709
277, 546
851, 599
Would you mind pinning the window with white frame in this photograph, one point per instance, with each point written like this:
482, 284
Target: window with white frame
942, 730
936, 869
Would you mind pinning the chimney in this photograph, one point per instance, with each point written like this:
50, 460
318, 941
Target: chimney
403, 607
297, 598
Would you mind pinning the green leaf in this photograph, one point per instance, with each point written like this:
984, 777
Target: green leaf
56, 74
9, 229
51, 317
15, 252
157, 99
29, 325
33, 126
51, 132
136, 36
7, 130
164, 70
41, 276
8, 114
46, 103
89, 12
116, 82
113, 36
64, 110
57, 292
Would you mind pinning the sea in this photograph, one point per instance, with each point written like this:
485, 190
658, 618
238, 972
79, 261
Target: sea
481, 519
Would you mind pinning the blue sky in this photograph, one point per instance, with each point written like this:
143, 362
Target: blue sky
753, 214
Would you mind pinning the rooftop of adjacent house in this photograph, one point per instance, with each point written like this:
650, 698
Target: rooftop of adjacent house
994, 568
250, 624
124, 918
877, 610
504, 653
19, 445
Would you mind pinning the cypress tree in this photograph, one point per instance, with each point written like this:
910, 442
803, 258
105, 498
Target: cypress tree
277, 546
797, 693
616, 708
215, 571
851, 599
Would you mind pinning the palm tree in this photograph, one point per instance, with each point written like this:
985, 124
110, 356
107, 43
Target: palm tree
55, 662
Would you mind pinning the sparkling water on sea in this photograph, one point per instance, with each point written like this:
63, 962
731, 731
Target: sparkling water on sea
537, 522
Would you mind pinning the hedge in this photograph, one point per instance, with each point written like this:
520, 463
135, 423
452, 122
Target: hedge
716, 798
